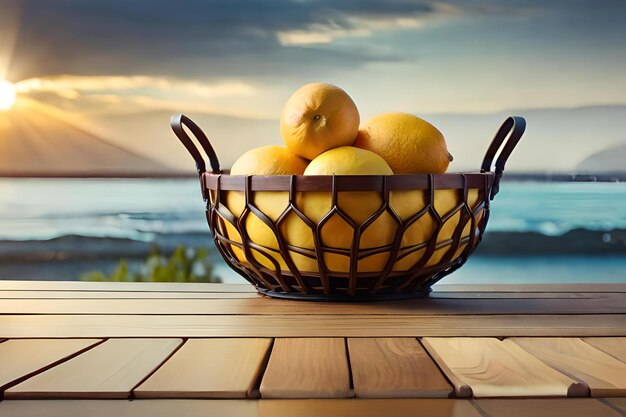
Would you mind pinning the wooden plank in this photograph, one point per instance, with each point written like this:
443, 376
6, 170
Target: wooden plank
487, 367
483, 295
307, 368
394, 368
571, 407
109, 370
205, 368
210, 287
298, 325
260, 305
618, 403
367, 408
122, 286
590, 288
614, 346
124, 295
134, 295
605, 375
22, 358
239, 408
125, 408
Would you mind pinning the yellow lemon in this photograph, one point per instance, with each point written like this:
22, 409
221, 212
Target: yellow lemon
406, 204
348, 160
339, 230
267, 160
318, 117
410, 145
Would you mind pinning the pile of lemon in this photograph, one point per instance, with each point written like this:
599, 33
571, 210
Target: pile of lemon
320, 128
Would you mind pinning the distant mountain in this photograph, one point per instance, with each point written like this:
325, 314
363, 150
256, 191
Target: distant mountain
149, 133
36, 141
609, 160
555, 140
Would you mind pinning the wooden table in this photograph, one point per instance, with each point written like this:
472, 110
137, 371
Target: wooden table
165, 349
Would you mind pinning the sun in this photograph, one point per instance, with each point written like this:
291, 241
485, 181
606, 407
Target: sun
7, 95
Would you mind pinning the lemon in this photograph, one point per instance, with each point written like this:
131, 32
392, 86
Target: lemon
266, 160
269, 160
348, 160
410, 145
407, 204
337, 234
318, 117
319, 123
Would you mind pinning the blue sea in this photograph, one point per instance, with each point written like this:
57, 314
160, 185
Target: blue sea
142, 208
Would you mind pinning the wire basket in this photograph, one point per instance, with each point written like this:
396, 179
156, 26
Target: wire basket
351, 237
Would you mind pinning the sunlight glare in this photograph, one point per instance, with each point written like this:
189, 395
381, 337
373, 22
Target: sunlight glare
7, 95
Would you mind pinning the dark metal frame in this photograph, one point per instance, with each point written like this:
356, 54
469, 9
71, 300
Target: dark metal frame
326, 285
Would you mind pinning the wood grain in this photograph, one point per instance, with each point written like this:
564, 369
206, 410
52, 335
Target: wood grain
126, 295
367, 408
307, 368
134, 295
210, 287
605, 375
264, 306
542, 288
122, 286
109, 370
206, 368
486, 367
394, 368
518, 294
125, 408
614, 346
619, 403
240, 408
297, 325
571, 407
25, 357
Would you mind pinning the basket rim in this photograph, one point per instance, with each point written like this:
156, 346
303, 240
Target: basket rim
448, 181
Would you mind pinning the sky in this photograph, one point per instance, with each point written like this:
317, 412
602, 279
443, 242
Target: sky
244, 58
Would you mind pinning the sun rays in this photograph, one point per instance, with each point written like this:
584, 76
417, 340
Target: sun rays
7, 95
9, 28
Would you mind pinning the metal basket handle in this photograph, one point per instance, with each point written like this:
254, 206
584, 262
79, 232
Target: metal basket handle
177, 122
511, 131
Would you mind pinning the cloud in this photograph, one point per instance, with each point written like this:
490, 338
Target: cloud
195, 38
363, 25
84, 94
462, 54
204, 39
69, 85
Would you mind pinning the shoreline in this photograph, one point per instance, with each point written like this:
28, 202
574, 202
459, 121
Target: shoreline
494, 243
68, 257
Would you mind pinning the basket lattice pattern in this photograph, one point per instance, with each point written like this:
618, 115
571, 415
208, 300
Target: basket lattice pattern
411, 250
351, 238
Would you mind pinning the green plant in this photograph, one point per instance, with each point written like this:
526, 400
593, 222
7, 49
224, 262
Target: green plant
183, 265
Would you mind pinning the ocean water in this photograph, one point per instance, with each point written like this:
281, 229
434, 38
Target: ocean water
139, 209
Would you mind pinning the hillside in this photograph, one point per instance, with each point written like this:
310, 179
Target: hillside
612, 159
34, 140
555, 139
37, 141
150, 134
